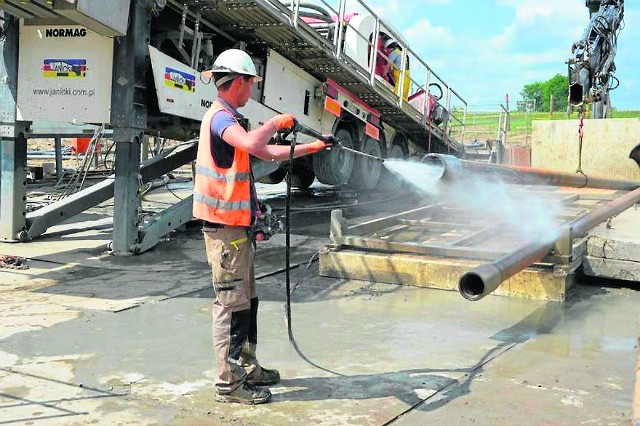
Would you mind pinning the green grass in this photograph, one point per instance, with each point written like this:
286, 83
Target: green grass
484, 125
521, 121
625, 114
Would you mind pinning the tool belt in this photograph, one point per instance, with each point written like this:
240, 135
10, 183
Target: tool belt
264, 225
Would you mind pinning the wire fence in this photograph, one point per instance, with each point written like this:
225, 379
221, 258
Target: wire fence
484, 121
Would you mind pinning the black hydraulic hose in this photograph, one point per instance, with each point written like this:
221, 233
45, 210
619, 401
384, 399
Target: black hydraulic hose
287, 243
321, 14
288, 239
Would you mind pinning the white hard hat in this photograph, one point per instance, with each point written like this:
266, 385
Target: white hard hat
232, 61
390, 43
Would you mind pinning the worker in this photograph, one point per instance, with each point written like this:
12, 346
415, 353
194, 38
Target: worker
382, 63
225, 201
394, 53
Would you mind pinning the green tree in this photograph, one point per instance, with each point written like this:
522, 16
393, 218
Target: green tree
533, 93
540, 92
558, 86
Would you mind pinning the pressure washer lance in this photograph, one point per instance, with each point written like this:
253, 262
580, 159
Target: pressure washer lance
335, 142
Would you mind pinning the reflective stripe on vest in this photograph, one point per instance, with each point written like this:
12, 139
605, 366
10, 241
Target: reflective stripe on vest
224, 177
220, 204
221, 195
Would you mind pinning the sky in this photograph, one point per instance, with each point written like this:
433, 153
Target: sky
485, 49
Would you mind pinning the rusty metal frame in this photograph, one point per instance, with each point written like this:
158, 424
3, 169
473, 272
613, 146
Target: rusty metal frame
389, 235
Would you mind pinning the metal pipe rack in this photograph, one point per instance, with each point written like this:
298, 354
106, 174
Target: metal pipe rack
445, 230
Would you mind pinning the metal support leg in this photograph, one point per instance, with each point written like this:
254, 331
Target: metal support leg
13, 184
563, 246
40, 220
127, 184
129, 119
13, 143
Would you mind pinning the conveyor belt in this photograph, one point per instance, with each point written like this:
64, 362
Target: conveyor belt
317, 55
269, 23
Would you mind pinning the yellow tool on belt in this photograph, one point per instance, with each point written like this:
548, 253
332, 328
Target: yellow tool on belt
237, 242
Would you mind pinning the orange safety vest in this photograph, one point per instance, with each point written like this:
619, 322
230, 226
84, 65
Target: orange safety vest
221, 195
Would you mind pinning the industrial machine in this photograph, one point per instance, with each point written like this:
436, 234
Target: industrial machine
592, 66
135, 67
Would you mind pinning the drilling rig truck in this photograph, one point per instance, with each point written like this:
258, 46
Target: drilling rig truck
135, 66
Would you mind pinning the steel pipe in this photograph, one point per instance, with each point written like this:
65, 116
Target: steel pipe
454, 169
448, 167
487, 277
582, 225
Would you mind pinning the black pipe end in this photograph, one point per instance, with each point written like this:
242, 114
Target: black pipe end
471, 286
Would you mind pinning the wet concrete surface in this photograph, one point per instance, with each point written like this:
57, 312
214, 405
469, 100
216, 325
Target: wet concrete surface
365, 353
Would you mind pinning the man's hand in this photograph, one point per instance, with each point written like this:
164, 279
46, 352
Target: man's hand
316, 146
283, 122
332, 140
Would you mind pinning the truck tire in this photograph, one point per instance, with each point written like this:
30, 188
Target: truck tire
302, 175
366, 171
302, 180
334, 167
274, 177
389, 181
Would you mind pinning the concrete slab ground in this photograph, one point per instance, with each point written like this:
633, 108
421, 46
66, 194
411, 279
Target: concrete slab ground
90, 338
613, 248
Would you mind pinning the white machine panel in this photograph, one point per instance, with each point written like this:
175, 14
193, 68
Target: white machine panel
108, 18
64, 74
182, 91
287, 88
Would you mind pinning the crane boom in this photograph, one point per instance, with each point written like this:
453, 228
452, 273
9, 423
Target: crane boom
592, 65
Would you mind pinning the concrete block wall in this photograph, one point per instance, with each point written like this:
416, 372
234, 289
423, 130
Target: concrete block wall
605, 147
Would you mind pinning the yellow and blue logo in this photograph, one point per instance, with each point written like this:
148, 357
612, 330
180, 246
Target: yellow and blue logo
65, 68
179, 79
